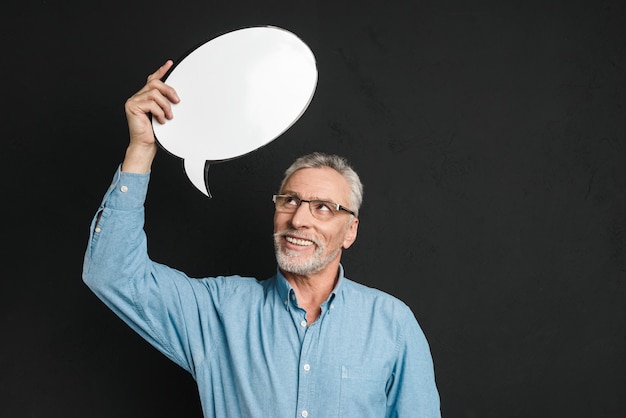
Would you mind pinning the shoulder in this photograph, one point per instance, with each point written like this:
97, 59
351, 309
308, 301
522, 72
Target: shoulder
391, 318
369, 297
358, 290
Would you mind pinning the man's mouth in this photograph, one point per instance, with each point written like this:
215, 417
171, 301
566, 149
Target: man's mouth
298, 241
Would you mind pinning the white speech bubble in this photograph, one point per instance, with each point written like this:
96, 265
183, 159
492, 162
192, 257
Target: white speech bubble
238, 91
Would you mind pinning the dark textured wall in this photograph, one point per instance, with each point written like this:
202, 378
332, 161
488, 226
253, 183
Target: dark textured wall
490, 136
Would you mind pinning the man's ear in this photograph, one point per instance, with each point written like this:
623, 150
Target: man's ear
351, 233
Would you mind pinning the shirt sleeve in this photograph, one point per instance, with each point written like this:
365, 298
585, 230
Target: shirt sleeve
162, 304
413, 391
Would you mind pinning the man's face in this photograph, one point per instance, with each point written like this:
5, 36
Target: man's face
306, 245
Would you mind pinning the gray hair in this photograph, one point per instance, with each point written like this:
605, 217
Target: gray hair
337, 163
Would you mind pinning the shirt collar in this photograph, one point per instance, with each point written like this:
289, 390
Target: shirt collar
285, 290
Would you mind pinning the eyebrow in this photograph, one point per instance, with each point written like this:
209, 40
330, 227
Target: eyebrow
296, 194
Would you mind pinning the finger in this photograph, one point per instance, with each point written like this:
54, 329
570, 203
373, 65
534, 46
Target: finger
163, 104
168, 91
154, 82
148, 106
163, 89
162, 94
163, 69
160, 87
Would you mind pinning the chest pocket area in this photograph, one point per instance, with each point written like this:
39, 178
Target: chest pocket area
363, 391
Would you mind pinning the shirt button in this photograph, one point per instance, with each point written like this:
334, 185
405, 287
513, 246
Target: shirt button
304, 414
303, 323
307, 367
293, 297
98, 229
124, 189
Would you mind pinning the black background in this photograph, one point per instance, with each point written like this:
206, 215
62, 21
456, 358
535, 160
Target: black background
490, 136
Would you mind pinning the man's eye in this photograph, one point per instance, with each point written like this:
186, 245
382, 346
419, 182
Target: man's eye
291, 201
322, 207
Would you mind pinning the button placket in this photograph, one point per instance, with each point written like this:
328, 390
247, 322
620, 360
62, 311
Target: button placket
306, 382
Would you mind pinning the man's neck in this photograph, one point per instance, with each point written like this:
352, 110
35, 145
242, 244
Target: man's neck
313, 290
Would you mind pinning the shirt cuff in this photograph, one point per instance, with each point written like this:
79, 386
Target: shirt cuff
127, 191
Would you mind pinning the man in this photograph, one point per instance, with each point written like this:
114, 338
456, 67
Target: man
307, 342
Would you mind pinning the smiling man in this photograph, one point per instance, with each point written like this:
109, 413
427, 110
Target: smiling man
309, 242
307, 342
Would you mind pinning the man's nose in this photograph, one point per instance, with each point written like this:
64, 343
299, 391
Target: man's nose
302, 216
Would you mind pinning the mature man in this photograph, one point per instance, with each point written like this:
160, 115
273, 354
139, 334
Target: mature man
307, 342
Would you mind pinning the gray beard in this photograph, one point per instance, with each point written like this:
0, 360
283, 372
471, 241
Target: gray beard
290, 261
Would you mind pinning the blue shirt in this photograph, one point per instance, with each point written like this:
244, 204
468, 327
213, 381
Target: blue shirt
247, 342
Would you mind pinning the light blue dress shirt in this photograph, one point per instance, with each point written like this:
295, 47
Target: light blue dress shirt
247, 342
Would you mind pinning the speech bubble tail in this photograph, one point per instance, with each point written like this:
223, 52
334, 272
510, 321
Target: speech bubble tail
198, 173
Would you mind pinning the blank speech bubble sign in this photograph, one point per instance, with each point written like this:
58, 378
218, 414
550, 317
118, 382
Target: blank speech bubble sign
238, 92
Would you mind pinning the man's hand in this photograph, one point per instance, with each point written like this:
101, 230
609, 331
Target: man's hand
154, 99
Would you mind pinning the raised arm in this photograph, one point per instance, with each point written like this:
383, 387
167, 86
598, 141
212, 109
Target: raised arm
155, 99
153, 299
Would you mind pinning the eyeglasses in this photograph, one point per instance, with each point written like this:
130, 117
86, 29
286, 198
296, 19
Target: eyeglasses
320, 209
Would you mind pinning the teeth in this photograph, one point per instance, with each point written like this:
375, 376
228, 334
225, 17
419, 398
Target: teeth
299, 241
